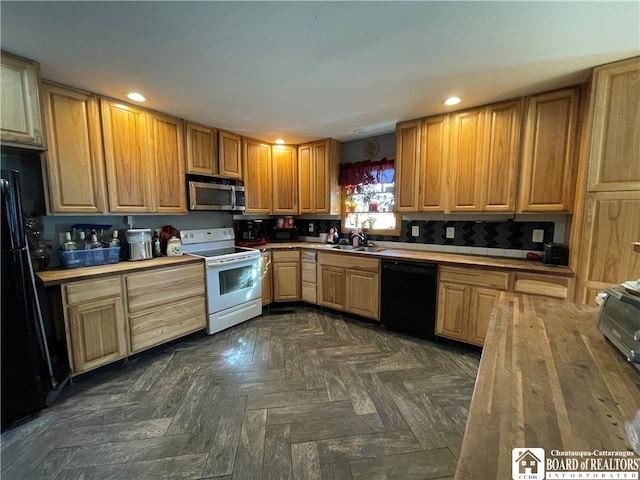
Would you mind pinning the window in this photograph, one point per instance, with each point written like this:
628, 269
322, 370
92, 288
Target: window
368, 197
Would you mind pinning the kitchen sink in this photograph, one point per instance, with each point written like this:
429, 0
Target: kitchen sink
371, 248
344, 247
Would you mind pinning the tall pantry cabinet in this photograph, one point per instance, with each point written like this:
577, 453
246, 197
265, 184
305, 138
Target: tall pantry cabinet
608, 205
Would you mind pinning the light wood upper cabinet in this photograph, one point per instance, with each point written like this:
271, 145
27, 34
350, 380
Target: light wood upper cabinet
127, 152
502, 150
229, 155
306, 185
611, 225
258, 176
318, 168
285, 175
549, 160
20, 116
168, 160
407, 165
74, 162
614, 156
433, 164
202, 149
467, 174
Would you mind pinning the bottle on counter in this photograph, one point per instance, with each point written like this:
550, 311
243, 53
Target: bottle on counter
69, 244
155, 243
115, 241
95, 243
82, 241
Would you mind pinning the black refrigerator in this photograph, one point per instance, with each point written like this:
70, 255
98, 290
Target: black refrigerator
32, 374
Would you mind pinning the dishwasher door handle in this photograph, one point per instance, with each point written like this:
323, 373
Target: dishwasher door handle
423, 269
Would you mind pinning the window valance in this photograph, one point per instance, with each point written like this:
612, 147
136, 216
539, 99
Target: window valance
368, 171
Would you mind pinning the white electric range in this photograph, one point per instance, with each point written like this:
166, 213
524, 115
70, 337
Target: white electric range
233, 276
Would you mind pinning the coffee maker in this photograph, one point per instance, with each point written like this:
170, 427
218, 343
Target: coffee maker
250, 232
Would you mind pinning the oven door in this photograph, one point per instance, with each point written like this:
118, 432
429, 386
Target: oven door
232, 283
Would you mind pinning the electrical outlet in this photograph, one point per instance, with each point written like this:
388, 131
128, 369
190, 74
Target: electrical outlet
311, 227
451, 232
415, 230
537, 236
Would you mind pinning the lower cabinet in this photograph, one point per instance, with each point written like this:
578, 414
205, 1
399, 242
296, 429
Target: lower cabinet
95, 322
165, 304
466, 297
309, 277
161, 304
267, 278
286, 275
349, 283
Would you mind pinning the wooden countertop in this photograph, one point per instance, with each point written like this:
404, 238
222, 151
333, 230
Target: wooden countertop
56, 277
547, 379
437, 257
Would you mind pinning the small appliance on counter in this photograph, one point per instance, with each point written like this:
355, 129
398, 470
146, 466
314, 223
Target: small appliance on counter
619, 321
250, 233
555, 254
139, 244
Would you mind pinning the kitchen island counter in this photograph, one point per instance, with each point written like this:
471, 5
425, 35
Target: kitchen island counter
547, 379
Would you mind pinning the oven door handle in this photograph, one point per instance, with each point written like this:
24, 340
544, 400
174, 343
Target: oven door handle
233, 261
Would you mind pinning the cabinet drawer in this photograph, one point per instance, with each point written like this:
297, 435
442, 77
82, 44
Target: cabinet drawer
168, 322
309, 256
80, 292
547, 285
309, 272
165, 285
286, 256
309, 292
349, 262
476, 277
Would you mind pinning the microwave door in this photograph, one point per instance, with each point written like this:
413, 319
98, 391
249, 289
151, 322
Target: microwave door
209, 196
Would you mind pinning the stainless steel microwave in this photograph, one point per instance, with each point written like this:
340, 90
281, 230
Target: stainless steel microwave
216, 196
619, 321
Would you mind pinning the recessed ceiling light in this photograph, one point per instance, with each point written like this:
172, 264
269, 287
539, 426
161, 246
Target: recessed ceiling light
136, 97
359, 131
280, 141
452, 101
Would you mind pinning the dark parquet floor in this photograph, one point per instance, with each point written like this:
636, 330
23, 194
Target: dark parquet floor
304, 395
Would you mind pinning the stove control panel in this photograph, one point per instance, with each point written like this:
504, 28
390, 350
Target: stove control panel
189, 237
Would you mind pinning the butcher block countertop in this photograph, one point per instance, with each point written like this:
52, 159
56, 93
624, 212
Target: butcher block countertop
56, 277
437, 257
547, 379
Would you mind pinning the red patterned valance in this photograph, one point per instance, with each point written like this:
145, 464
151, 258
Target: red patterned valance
380, 171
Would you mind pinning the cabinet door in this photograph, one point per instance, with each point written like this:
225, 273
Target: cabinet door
97, 332
306, 183
127, 158
407, 165
332, 287
74, 163
230, 155
168, 161
363, 294
502, 149
610, 227
285, 176
257, 176
202, 150
267, 278
286, 281
452, 310
433, 163
481, 305
549, 161
20, 118
467, 165
615, 142
326, 160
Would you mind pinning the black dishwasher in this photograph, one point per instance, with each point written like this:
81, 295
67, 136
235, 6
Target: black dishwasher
409, 296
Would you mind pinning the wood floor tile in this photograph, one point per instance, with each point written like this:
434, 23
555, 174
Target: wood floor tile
362, 403
336, 471
305, 461
225, 444
272, 386
115, 432
407, 466
277, 453
309, 412
367, 446
283, 399
335, 427
249, 458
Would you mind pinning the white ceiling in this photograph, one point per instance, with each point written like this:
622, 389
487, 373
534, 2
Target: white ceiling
309, 70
